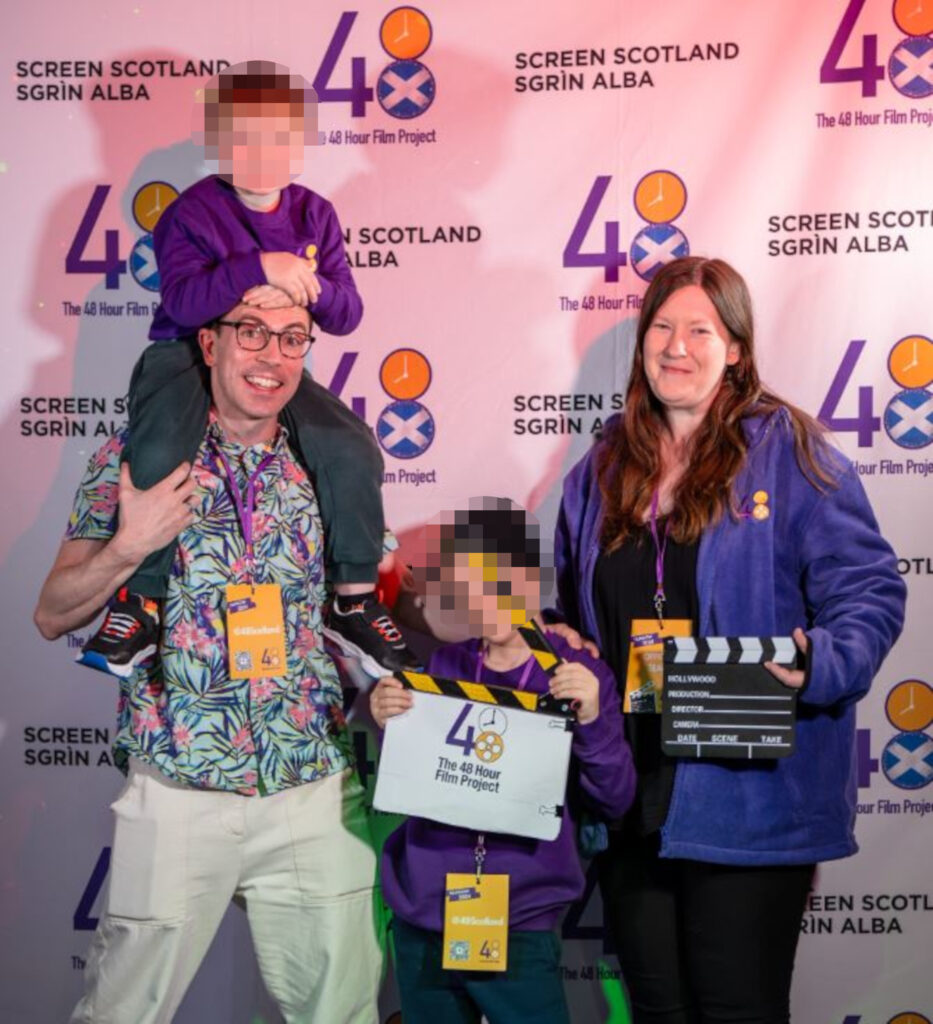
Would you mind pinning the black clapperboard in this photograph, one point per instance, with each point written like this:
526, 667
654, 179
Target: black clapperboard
720, 700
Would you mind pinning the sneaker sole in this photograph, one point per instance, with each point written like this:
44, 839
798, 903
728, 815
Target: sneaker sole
368, 664
92, 659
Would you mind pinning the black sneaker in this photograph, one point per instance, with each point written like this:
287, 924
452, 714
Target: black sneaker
128, 636
366, 632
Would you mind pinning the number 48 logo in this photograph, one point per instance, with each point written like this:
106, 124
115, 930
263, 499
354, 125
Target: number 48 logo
908, 416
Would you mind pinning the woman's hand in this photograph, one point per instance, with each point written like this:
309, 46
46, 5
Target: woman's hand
792, 677
576, 683
388, 699
573, 638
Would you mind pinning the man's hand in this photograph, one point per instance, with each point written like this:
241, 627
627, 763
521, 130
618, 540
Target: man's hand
575, 682
267, 296
150, 519
388, 699
792, 677
294, 275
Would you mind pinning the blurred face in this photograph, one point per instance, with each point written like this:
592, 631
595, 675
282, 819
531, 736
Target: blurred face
494, 595
261, 147
686, 351
250, 389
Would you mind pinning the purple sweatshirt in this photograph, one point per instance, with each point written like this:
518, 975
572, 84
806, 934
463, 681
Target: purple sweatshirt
207, 246
544, 877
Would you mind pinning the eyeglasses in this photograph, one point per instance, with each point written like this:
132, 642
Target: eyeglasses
254, 336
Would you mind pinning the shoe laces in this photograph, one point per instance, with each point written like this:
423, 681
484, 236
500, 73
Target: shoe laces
120, 626
387, 629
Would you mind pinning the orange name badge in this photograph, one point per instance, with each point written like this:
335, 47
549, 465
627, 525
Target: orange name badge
255, 630
644, 679
476, 922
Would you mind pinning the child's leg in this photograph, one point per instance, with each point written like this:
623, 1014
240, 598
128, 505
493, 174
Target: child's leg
429, 994
168, 407
530, 990
343, 460
345, 464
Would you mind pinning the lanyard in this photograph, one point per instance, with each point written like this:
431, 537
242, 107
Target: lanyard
660, 546
244, 509
526, 672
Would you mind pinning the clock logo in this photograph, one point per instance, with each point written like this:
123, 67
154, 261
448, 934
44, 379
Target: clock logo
405, 374
150, 202
405, 33
910, 362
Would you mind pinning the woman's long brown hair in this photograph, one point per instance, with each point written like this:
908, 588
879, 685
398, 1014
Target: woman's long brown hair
629, 466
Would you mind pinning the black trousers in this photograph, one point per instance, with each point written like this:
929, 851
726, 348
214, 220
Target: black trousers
702, 943
168, 409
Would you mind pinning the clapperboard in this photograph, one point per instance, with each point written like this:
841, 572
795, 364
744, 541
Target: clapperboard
720, 700
482, 757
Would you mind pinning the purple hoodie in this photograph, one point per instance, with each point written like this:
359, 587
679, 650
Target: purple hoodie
544, 877
207, 246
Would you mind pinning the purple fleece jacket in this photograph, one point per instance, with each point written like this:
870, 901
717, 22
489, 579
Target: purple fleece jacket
207, 246
544, 877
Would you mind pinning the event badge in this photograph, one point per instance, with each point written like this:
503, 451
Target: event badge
255, 630
644, 679
476, 922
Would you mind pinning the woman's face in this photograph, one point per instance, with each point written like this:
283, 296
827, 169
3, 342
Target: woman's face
686, 351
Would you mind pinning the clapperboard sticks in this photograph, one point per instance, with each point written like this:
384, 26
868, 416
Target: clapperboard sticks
544, 654
720, 701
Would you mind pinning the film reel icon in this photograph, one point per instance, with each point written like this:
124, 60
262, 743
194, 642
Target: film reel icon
489, 747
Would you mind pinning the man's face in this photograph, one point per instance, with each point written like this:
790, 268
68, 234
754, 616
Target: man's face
249, 388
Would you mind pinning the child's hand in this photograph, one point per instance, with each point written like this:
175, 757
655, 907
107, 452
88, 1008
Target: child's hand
294, 275
267, 296
575, 682
388, 699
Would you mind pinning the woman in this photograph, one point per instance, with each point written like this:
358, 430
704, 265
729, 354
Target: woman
713, 508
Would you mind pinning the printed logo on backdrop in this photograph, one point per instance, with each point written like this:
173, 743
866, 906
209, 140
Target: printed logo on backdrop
906, 418
405, 427
905, 760
659, 199
56, 81
854, 60
404, 89
588, 68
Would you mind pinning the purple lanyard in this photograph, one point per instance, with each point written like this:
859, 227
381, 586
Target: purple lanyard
526, 673
660, 546
244, 510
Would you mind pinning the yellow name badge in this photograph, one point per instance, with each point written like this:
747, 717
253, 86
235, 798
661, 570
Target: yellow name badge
644, 679
255, 630
476, 922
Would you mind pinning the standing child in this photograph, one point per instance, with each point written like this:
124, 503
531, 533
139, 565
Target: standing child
250, 234
489, 576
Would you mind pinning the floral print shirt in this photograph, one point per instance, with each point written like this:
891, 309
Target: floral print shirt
183, 713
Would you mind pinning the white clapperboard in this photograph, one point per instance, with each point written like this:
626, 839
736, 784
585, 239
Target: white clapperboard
720, 700
482, 757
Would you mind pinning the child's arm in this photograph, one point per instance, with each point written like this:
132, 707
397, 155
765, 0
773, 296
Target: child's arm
339, 307
197, 287
388, 699
607, 774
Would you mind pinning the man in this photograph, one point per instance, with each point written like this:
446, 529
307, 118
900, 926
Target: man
236, 786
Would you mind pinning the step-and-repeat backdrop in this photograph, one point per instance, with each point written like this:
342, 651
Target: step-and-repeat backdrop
509, 176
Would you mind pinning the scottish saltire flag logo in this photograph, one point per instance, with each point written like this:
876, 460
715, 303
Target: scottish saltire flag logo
656, 245
908, 418
910, 68
143, 264
907, 760
405, 429
405, 89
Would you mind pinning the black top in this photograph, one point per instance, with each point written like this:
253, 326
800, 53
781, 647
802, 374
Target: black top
623, 589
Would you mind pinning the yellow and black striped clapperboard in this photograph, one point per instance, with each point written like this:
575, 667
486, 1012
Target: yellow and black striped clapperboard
502, 695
